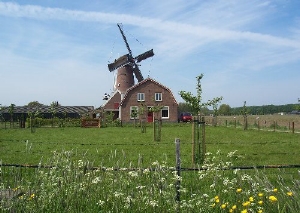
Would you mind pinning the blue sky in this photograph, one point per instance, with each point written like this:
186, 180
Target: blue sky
59, 50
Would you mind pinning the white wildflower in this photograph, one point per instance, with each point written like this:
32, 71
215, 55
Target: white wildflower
205, 195
152, 203
155, 163
231, 154
140, 187
201, 176
133, 174
236, 171
118, 194
225, 181
80, 163
100, 203
246, 177
129, 199
96, 180
183, 190
146, 171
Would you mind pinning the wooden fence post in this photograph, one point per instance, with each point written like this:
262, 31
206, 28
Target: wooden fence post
193, 140
293, 127
178, 168
203, 140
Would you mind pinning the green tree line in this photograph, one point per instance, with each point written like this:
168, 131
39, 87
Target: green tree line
225, 109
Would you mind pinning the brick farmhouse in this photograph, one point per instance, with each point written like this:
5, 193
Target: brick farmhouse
140, 100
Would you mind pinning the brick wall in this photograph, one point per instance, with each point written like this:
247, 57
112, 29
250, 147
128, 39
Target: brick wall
149, 88
112, 102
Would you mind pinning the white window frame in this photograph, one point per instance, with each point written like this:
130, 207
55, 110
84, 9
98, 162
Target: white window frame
158, 96
165, 108
141, 97
131, 110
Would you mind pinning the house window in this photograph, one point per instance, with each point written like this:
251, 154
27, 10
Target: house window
165, 112
141, 97
134, 112
158, 97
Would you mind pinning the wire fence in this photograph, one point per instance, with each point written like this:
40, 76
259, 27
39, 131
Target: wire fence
276, 123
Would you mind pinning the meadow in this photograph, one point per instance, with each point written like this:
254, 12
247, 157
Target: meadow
120, 169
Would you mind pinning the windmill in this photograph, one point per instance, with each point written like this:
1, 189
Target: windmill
127, 65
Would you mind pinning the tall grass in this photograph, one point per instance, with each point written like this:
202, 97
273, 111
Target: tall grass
122, 170
76, 186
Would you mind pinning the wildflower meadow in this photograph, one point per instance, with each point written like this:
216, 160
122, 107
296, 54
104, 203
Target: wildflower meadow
72, 180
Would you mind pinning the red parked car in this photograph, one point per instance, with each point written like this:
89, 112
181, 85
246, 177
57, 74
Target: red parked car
185, 117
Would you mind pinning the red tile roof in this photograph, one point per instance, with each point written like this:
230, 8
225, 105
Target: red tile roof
144, 81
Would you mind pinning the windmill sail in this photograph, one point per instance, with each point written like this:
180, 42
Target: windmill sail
144, 56
122, 61
137, 73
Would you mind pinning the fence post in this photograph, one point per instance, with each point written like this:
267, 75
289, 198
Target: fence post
293, 127
203, 140
274, 126
178, 168
157, 129
195, 122
198, 141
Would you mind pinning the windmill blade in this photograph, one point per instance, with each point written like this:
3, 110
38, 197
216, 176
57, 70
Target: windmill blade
137, 73
123, 60
124, 38
144, 56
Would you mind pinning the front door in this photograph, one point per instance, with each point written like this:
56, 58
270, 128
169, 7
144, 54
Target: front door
150, 117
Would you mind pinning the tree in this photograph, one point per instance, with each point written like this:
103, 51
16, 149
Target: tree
184, 107
1, 115
196, 101
34, 104
215, 113
11, 112
156, 122
224, 109
134, 115
53, 106
298, 105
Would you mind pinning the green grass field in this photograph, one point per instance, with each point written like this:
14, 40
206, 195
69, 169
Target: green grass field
145, 180
20, 146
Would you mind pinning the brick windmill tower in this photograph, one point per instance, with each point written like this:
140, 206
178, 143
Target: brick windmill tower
127, 67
